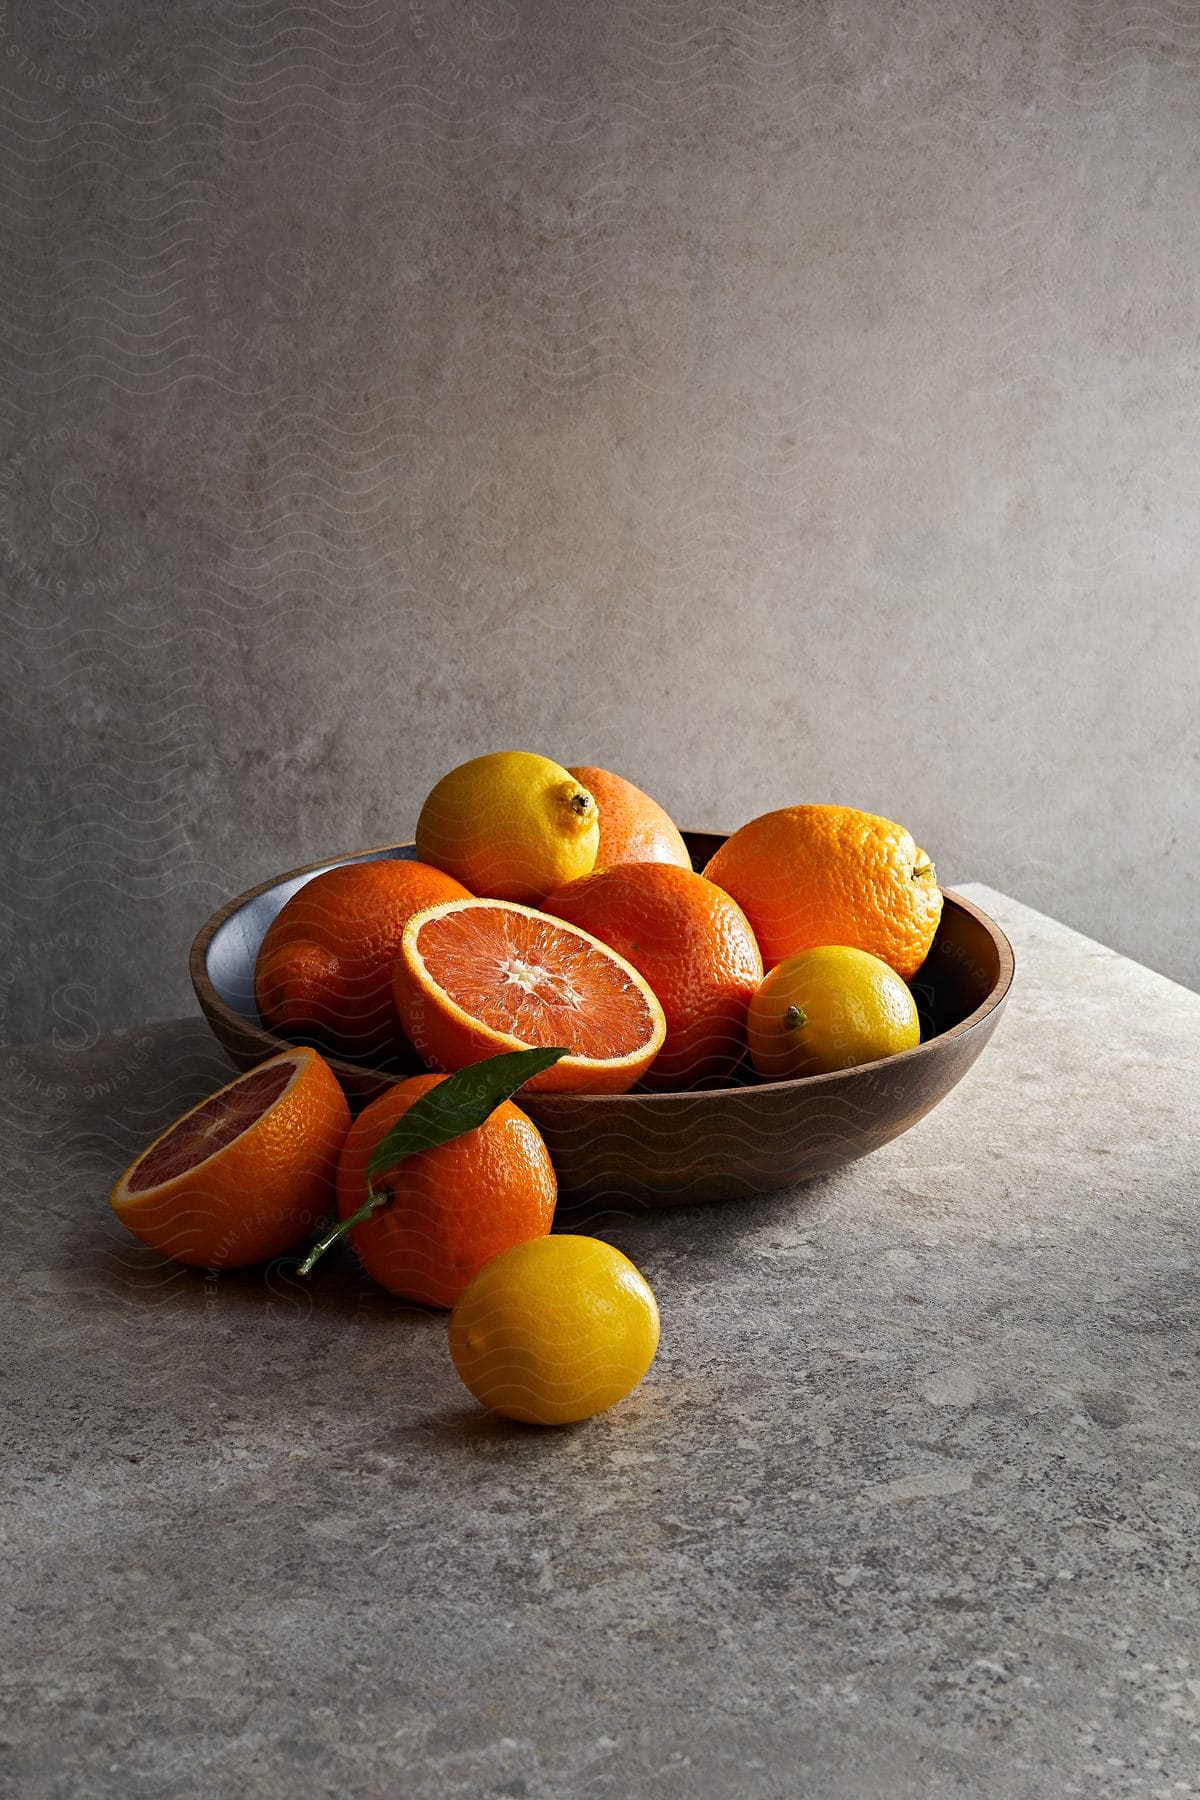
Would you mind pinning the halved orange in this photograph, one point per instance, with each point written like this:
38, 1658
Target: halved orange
476, 977
246, 1174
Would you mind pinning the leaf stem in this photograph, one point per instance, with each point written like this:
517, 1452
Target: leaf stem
370, 1205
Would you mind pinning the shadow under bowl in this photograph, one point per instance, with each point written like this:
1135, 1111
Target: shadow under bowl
674, 1149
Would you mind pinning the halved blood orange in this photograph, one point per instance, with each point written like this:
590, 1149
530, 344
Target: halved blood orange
477, 977
246, 1174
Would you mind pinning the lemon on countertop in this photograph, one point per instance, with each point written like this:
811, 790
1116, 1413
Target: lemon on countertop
554, 1330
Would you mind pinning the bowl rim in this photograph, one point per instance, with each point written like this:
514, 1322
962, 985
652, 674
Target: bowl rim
212, 1004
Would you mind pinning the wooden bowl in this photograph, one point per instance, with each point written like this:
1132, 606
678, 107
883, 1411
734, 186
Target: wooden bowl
676, 1148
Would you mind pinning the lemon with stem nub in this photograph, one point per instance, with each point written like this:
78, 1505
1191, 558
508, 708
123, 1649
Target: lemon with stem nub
554, 1330
510, 826
826, 1009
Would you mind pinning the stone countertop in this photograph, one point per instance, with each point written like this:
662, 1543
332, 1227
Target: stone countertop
906, 1507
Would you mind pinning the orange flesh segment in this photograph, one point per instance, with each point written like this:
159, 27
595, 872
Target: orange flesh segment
210, 1127
535, 980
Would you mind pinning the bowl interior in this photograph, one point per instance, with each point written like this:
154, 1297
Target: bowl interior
959, 977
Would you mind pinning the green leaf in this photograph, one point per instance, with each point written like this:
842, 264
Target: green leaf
458, 1104
455, 1106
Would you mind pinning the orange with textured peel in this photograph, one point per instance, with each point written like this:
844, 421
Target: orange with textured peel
246, 1174
324, 969
806, 876
477, 977
695, 948
633, 827
454, 1207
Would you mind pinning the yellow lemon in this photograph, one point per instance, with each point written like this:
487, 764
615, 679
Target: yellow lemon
830, 1008
510, 826
554, 1330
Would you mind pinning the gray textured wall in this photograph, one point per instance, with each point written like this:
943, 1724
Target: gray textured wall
771, 401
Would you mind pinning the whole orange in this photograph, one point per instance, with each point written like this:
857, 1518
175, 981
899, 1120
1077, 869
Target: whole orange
633, 827
324, 969
453, 1207
812, 875
694, 946
246, 1174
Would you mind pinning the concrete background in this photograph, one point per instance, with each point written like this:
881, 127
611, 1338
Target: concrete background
770, 401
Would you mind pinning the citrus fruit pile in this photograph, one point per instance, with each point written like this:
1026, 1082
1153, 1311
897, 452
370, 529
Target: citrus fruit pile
552, 934
553, 905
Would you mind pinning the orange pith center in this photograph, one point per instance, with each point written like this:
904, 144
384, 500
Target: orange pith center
210, 1127
535, 980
